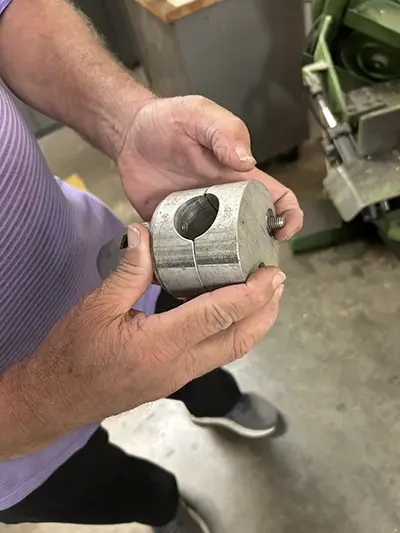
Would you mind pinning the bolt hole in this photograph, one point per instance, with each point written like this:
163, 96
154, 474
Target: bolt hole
196, 216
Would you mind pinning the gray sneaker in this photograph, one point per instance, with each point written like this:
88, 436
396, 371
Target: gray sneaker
252, 417
187, 520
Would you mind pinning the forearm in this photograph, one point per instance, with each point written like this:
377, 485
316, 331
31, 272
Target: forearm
53, 60
61, 387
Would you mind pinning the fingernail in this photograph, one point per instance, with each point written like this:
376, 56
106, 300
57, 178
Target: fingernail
278, 280
133, 237
244, 154
296, 231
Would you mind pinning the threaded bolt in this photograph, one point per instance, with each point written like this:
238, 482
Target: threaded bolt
274, 223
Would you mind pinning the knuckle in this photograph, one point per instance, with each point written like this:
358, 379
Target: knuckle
222, 151
98, 307
270, 316
260, 294
239, 125
158, 333
157, 343
263, 296
273, 311
196, 100
243, 342
192, 367
219, 317
260, 285
126, 271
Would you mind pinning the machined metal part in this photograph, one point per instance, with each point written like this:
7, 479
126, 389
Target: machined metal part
353, 183
352, 74
208, 238
326, 113
274, 223
364, 184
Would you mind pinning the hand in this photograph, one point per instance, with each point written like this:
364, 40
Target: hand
185, 143
138, 358
101, 358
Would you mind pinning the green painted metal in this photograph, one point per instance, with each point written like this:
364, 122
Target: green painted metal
379, 19
376, 24
332, 83
390, 225
369, 59
358, 50
322, 228
317, 8
336, 9
321, 240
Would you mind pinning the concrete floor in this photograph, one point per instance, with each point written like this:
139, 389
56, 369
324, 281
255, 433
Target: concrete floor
331, 364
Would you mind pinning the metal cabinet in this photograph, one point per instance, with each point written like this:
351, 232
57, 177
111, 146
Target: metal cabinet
244, 54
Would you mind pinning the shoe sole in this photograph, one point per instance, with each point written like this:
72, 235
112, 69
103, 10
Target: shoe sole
197, 518
235, 428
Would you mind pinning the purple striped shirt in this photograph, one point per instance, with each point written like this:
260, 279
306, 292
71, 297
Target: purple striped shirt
50, 236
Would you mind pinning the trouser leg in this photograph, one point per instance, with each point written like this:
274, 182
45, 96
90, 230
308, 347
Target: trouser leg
101, 485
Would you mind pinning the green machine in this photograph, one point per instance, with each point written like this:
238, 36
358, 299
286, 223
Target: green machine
352, 73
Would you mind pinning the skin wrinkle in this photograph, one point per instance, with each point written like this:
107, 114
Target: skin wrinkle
126, 138
220, 316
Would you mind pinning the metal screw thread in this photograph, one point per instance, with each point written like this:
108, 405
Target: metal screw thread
274, 223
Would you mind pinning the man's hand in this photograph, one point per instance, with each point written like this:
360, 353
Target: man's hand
158, 354
189, 142
101, 358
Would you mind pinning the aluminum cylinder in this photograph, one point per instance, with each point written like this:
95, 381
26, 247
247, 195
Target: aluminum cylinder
208, 238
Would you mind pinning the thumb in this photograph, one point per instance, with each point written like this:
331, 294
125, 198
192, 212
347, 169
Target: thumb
225, 135
133, 277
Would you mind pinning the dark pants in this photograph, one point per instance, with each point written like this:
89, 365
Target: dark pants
101, 484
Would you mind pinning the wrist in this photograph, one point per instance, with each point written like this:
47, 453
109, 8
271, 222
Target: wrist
120, 111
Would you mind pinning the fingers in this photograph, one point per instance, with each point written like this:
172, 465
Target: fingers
288, 207
134, 275
222, 132
235, 342
227, 137
286, 203
209, 314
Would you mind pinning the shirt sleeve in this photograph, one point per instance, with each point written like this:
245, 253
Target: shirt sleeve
4, 4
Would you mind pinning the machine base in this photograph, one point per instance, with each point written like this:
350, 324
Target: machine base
323, 228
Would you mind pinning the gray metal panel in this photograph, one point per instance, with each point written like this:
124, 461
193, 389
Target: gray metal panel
244, 54
125, 44
160, 51
247, 56
111, 20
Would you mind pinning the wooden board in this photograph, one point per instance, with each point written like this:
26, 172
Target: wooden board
168, 12
179, 3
